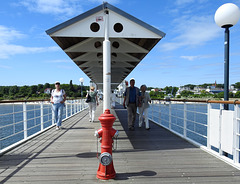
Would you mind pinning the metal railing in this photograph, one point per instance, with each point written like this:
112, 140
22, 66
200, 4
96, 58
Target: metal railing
204, 123
23, 120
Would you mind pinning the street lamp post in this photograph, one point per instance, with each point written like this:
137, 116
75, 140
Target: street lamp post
227, 16
81, 81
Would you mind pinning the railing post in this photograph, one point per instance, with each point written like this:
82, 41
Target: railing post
25, 119
170, 116
185, 119
71, 107
208, 126
74, 106
80, 105
152, 110
159, 103
66, 108
53, 117
41, 109
236, 134
220, 129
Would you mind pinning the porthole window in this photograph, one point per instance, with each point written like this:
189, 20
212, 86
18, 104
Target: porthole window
97, 44
95, 27
118, 27
114, 54
99, 55
115, 44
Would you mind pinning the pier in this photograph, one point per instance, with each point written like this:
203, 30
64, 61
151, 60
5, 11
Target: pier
141, 156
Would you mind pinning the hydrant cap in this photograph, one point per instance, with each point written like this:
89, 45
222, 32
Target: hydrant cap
107, 111
107, 116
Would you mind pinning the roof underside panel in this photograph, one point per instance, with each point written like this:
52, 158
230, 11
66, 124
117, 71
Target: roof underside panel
82, 39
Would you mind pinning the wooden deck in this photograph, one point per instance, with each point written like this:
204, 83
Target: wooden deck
154, 156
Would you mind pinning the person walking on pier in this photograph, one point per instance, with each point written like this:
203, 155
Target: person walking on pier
143, 110
113, 99
58, 97
131, 99
92, 104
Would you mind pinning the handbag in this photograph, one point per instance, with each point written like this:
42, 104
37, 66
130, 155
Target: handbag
88, 98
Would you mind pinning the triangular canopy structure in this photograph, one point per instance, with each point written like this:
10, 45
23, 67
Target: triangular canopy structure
82, 37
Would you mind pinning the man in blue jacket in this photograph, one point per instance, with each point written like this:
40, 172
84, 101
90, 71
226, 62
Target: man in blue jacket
131, 99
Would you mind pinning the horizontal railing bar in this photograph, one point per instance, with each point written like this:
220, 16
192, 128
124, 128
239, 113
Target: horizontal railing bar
196, 133
200, 101
26, 101
16, 133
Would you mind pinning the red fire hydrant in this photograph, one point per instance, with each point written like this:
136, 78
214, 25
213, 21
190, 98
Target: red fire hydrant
107, 133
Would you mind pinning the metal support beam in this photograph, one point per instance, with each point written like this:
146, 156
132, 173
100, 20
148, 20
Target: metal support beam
106, 64
226, 67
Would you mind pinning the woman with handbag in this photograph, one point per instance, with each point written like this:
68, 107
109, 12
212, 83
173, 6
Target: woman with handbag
92, 103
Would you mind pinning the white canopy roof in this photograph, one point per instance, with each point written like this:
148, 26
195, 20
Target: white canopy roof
81, 38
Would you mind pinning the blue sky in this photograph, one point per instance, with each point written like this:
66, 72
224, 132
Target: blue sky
192, 52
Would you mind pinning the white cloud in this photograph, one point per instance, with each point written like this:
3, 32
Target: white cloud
101, 1
5, 67
192, 31
8, 49
186, 2
192, 58
56, 7
7, 34
58, 61
182, 2
65, 8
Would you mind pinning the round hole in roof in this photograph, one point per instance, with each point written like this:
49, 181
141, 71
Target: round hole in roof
94, 27
99, 55
97, 44
115, 44
114, 54
118, 27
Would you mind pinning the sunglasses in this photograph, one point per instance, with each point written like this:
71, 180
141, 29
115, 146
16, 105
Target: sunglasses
57, 83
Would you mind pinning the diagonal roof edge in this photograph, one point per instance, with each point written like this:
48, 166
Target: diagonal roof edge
105, 5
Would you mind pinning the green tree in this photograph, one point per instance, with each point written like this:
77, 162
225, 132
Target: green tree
24, 90
5, 90
46, 85
237, 85
220, 85
237, 95
33, 90
186, 93
71, 88
191, 86
13, 90
40, 88
220, 95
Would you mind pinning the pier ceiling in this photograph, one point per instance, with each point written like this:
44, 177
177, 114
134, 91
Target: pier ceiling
82, 37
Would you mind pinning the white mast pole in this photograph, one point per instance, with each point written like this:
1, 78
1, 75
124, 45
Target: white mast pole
106, 64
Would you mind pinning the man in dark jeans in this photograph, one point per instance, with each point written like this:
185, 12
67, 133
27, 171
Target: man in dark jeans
131, 99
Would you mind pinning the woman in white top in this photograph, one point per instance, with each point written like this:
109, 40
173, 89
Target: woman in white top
58, 97
143, 110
